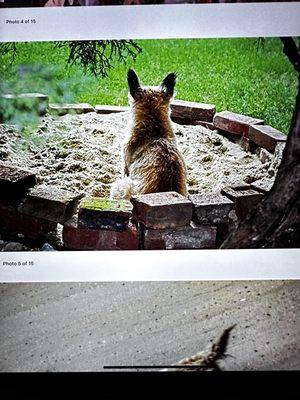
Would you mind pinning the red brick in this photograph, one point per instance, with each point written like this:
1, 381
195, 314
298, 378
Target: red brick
50, 202
235, 123
210, 209
186, 121
187, 237
266, 136
103, 213
14, 182
192, 111
128, 240
29, 226
62, 109
103, 109
245, 199
162, 210
75, 238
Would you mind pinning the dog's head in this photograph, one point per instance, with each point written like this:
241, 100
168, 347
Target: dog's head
151, 96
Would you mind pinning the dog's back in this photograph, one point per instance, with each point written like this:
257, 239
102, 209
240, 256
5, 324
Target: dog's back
152, 162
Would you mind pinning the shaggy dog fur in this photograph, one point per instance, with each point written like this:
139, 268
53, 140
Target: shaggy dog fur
152, 162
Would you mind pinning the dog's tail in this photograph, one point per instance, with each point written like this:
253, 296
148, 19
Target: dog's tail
122, 189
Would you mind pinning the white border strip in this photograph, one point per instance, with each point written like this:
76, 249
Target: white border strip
166, 265
150, 21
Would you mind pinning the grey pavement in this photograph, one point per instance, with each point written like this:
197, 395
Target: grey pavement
86, 326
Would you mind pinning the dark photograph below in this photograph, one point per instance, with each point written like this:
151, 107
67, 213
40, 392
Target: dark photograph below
150, 326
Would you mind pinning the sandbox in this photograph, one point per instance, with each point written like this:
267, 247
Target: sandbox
231, 162
83, 153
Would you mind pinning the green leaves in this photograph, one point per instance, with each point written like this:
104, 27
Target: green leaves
97, 57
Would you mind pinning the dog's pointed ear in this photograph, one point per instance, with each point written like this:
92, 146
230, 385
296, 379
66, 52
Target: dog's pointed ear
168, 84
133, 82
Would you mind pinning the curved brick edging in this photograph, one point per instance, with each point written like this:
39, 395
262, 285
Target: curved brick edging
153, 221
250, 132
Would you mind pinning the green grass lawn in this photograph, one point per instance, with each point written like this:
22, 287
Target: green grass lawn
233, 74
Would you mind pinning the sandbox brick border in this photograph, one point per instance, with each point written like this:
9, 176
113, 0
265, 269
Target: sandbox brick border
238, 124
49, 203
244, 198
104, 214
249, 133
77, 108
265, 136
104, 109
211, 209
31, 227
76, 238
207, 233
162, 210
189, 111
252, 131
180, 238
15, 182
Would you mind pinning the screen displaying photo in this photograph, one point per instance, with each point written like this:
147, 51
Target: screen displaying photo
126, 132
147, 144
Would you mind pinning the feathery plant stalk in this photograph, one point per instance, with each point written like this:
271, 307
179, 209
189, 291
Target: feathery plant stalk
95, 57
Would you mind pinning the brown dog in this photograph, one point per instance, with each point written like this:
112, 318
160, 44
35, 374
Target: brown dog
152, 162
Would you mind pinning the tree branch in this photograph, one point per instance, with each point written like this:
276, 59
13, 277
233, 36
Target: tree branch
291, 51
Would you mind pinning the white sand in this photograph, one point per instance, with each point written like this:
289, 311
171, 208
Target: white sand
83, 153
